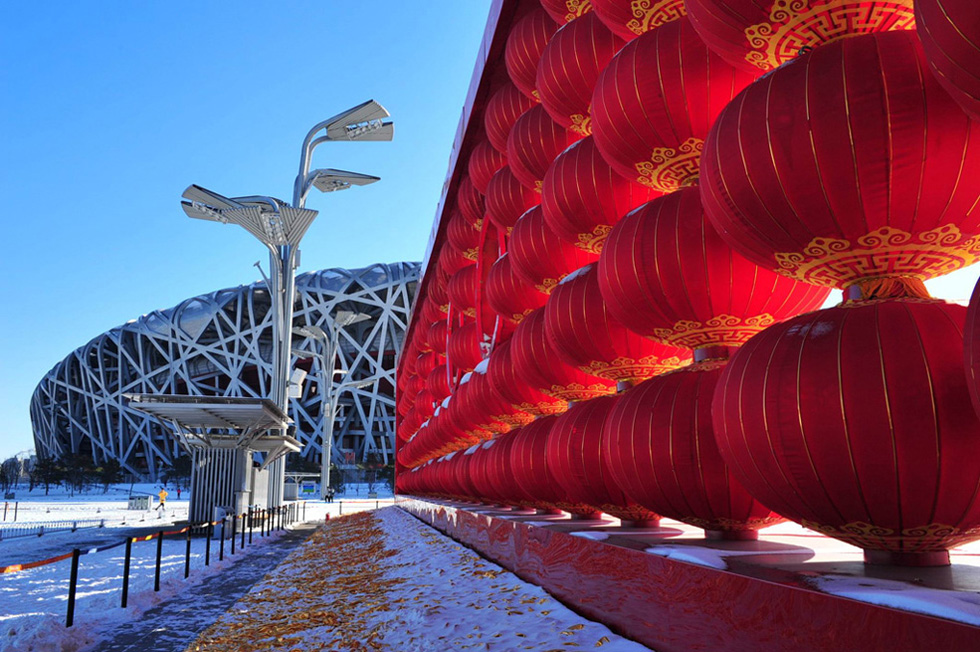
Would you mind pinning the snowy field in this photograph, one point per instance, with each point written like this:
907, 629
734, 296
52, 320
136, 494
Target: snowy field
33, 602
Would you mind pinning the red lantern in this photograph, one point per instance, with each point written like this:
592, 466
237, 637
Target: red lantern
484, 162
665, 273
877, 177
537, 364
576, 460
437, 382
451, 261
426, 362
500, 472
662, 452
582, 197
585, 336
504, 108
565, 11
569, 67
515, 390
539, 256
420, 338
856, 422
628, 18
508, 199
655, 102
509, 295
462, 236
463, 287
761, 35
533, 144
495, 407
524, 47
949, 32
464, 347
470, 202
528, 461
437, 334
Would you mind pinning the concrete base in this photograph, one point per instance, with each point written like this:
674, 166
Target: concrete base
732, 595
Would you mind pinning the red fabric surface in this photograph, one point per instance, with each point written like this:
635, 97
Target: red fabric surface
850, 163
666, 273
537, 365
661, 446
484, 162
436, 335
971, 347
585, 335
576, 460
426, 362
628, 19
501, 473
569, 68
525, 43
469, 200
533, 143
508, 294
463, 236
655, 102
582, 197
949, 32
463, 287
761, 35
565, 11
506, 105
539, 256
437, 382
508, 199
464, 347
529, 466
856, 421
506, 383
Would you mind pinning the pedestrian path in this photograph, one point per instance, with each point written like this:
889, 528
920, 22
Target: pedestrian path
173, 625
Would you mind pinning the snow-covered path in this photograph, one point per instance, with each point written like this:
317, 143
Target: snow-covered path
385, 581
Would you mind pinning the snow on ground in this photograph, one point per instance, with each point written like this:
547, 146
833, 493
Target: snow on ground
385, 581
33, 602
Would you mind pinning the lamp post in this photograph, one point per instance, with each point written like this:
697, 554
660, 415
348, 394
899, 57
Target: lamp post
281, 226
329, 348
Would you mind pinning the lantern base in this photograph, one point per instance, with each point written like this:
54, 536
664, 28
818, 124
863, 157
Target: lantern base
918, 559
550, 512
640, 525
731, 535
593, 516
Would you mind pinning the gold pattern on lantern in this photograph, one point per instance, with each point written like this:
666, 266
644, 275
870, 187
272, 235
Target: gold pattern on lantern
542, 409
669, 168
720, 330
920, 538
576, 8
578, 391
650, 14
548, 284
883, 252
798, 24
581, 124
630, 369
725, 523
538, 183
472, 254
593, 242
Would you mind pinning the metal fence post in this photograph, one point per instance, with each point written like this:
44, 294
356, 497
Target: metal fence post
234, 528
72, 585
156, 577
125, 586
251, 525
187, 555
207, 546
221, 549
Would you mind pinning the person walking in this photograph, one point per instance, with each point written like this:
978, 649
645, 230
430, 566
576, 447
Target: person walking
162, 507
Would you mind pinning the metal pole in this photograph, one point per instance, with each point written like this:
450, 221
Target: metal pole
187, 555
207, 546
156, 578
221, 548
72, 585
328, 364
251, 524
234, 523
125, 586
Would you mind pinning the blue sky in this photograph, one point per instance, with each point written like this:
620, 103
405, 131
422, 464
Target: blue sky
109, 110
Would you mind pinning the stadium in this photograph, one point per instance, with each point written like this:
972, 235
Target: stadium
220, 344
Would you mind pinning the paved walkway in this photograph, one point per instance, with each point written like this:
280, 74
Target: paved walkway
173, 625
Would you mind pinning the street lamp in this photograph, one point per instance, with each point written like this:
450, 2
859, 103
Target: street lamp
329, 348
280, 227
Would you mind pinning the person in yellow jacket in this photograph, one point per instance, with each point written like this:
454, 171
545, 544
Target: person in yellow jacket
163, 497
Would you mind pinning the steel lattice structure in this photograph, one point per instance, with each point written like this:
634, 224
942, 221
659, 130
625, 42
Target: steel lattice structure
220, 344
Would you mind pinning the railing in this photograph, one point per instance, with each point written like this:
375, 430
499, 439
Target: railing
261, 522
